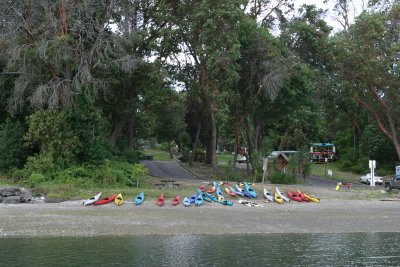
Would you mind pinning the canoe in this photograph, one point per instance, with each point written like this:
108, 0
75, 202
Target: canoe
239, 193
119, 200
227, 203
206, 196
247, 194
211, 190
202, 188
238, 189
214, 198
192, 199
105, 200
199, 200
278, 199
219, 193
176, 200
139, 199
186, 202
250, 190
268, 196
91, 200
294, 196
302, 196
312, 199
230, 192
161, 200
215, 184
281, 195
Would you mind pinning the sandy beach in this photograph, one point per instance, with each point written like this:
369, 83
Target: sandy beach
70, 218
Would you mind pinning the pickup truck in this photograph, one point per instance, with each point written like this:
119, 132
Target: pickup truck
392, 184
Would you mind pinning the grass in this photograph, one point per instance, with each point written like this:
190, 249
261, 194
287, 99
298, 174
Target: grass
322, 169
157, 154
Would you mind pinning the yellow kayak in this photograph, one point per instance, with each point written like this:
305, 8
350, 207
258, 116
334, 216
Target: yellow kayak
119, 199
312, 199
278, 199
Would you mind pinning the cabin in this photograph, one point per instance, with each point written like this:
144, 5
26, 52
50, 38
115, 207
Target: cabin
282, 158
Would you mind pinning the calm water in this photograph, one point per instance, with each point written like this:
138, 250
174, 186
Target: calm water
205, 250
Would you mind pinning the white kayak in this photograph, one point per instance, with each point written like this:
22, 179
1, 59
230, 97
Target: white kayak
92, 200
268, 196
281, 195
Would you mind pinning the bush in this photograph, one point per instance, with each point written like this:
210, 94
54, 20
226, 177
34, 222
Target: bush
13, 153
282, 178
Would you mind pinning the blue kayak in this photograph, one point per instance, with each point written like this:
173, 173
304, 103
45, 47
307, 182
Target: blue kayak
206, 196
139, 199
219, 193
239, 193
199, 200
250, 190
193, 198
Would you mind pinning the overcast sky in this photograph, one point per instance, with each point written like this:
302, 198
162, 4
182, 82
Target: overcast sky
357, 7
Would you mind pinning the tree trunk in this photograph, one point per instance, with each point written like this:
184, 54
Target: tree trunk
213, 135
118, 126
236, 147
131, 130
196, 142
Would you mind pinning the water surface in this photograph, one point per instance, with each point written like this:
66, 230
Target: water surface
359, 249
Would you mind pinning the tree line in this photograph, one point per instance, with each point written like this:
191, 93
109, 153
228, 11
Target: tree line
85, 81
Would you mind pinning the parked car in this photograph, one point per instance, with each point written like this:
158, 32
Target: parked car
367, 179
392, 184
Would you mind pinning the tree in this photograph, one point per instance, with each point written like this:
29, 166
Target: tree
207, 33
367, 57
56, 47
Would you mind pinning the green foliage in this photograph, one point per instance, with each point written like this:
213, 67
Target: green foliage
110, 173
90, 126
50, 131
282, 178
13, 153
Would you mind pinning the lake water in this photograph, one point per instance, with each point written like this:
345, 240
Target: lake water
358, 249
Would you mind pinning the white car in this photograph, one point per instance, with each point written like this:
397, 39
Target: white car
367, 179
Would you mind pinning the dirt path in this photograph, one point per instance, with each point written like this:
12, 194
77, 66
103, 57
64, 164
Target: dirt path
169, 170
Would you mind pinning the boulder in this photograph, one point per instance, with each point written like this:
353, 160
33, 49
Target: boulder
11, 191
11, 200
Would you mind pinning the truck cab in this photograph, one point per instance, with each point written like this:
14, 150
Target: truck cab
395, 182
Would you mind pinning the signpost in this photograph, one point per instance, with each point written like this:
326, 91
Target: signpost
265, 169
372, 166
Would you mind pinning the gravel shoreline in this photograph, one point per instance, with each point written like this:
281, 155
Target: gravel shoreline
71, 219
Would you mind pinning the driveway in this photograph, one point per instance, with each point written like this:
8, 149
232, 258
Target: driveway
169, 170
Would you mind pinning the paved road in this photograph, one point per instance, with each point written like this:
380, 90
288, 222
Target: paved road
168, 169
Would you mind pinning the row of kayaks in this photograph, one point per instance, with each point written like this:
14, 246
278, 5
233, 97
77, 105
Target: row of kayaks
213, 194
280, 198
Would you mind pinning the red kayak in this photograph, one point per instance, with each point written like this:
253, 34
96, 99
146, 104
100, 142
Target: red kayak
302, 196
294, 195
176, 200
211, 190
160, 200
105, 200
202, 188
229, 192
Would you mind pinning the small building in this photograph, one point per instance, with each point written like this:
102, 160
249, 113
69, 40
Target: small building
283, 160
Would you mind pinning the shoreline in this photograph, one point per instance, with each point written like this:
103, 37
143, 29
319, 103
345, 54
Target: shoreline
71, 219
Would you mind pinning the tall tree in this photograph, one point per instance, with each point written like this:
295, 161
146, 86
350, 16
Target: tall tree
207, 32
367, 57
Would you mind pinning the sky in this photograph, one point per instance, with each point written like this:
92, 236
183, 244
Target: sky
356, 9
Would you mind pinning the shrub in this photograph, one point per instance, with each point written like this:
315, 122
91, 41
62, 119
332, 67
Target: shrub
13, 153
282, 178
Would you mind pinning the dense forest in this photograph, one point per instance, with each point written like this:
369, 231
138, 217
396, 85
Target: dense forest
85, 85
